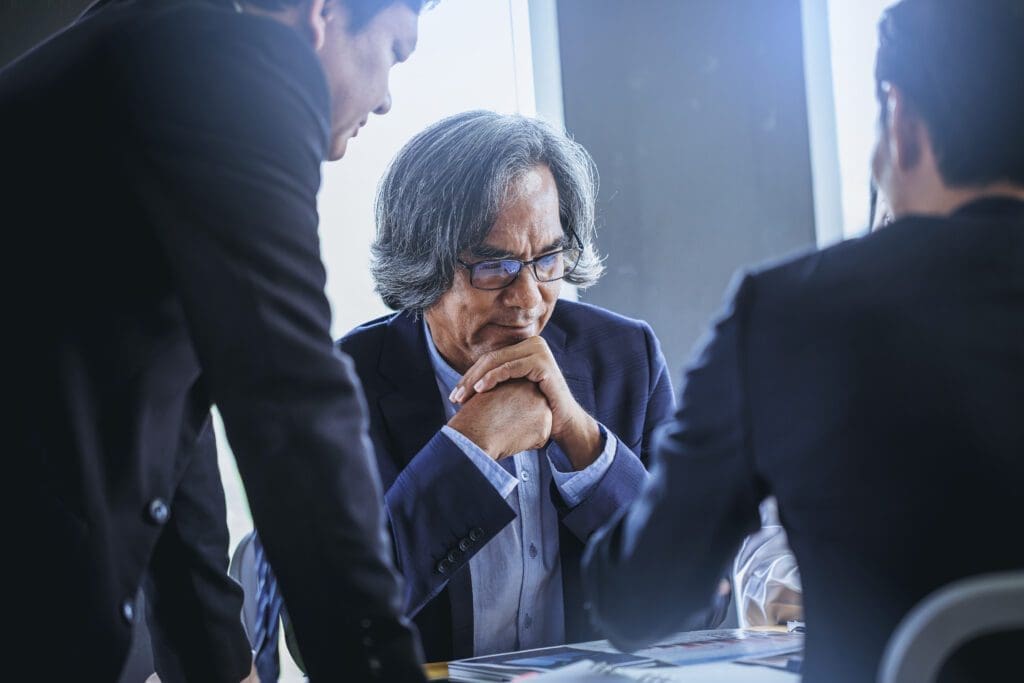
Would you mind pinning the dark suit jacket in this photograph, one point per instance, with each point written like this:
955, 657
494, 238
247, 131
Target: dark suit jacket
161, 168
876, 388
442, 509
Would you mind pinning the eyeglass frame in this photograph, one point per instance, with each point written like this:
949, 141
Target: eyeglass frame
523, 264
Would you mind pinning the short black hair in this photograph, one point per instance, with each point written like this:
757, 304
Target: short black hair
361, 11
959, 64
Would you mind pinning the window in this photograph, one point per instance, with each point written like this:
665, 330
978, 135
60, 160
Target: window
840, 39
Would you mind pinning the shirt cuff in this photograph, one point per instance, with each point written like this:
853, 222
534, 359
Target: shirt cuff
575, 486
502, 481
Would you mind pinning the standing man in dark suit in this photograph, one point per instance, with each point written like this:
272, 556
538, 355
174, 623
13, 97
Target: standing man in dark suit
491, 497
162, 164
874, 388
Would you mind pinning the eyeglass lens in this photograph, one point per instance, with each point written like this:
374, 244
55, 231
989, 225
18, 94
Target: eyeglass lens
501, 273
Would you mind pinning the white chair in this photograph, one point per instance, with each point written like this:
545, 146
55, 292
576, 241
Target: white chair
949, 618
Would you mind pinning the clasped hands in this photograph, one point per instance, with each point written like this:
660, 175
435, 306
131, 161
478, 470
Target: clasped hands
516, 399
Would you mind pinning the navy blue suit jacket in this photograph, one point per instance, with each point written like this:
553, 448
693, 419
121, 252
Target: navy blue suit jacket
441, 508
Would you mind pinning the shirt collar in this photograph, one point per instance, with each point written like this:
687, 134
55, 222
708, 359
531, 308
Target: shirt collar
445, 374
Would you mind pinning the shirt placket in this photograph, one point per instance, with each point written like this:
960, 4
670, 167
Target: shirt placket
529, 479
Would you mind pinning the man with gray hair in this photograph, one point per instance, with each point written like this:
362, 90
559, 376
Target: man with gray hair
508, 424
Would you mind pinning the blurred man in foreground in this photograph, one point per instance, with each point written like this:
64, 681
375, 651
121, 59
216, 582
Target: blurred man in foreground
873, 388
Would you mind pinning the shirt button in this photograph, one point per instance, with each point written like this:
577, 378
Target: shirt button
525, 476
533, 551
158, 511
128, 610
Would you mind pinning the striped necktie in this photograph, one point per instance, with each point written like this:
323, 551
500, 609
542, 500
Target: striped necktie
268, 616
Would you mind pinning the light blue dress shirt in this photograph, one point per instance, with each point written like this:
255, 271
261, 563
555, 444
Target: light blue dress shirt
517, 577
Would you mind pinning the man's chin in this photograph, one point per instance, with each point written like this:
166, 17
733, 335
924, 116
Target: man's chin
499, 336
337, 149
339, 144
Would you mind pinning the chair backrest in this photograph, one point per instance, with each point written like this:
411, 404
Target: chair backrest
949, 618
243, 570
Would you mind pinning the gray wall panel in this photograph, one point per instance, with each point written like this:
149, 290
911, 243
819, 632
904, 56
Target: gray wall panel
695, 113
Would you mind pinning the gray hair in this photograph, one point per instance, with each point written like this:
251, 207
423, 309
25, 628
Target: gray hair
443, 192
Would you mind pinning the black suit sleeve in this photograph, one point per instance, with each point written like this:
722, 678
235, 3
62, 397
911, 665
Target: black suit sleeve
230, 131
194, 607
658, 563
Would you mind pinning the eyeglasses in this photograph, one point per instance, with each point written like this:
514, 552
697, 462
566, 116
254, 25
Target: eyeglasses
500, 273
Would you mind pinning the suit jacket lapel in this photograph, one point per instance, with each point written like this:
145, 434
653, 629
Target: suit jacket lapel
412, 410
576, 374
575, 371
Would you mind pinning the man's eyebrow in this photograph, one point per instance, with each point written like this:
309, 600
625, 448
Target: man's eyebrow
489, 252
561, 243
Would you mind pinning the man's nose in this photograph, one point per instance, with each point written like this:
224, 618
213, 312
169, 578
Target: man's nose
385, 106
525, 291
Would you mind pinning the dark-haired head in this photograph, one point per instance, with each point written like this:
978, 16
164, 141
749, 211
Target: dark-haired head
357, 43
948, 78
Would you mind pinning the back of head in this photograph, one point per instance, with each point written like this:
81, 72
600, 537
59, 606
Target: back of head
959, 64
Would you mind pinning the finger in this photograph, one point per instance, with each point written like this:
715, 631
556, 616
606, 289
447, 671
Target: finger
482, 366
513, 369
488, 362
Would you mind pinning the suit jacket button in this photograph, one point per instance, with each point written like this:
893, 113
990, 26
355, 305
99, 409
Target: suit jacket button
159, 512
451, 557
443, 566
476, 534
464, 545
128, 610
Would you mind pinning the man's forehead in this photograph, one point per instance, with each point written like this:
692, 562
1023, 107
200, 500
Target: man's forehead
511, 240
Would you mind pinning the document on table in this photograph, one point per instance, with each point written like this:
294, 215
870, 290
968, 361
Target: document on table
681, 650
720, 672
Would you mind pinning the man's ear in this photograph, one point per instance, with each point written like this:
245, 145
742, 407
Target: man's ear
315, 22
907, 134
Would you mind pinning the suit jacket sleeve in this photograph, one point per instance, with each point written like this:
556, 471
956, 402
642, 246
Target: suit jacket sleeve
230, 132
188, 584
623, 481
442, 511
672, 545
